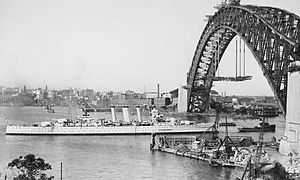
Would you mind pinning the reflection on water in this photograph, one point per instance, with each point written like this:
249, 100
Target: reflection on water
99, 157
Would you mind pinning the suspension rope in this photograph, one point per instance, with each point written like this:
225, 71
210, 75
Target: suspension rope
218, 53
240, 58
244, 60
236, 57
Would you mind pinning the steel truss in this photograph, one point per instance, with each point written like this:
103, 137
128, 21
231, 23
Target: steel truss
271, 34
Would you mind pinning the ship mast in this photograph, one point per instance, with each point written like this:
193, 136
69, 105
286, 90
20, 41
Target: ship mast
260, 140
253, 172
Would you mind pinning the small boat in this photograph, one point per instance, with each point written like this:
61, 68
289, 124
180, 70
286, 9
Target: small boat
50, 111
227, 124
244, 117
49, 108
266, 127
229, 164
214, 163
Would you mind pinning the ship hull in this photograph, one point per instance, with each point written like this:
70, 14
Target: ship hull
270, 128
116, 130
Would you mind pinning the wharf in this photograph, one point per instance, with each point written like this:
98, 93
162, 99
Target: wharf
198, 156
184, 154
290, 163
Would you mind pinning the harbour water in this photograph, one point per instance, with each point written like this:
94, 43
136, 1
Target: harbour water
101, 157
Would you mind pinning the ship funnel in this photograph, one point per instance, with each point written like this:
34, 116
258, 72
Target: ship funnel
125, 114
138, 113
113, 113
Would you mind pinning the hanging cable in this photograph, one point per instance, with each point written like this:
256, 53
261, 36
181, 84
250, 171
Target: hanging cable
244, 60
218, 60
240, 58
236, 58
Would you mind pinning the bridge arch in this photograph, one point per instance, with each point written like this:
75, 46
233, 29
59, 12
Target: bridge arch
271, 34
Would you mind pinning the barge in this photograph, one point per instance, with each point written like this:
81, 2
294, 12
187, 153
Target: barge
218, 152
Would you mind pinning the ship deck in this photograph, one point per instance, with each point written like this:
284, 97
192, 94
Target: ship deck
114, 130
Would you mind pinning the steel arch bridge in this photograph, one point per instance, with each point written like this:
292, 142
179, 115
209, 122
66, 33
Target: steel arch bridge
271, 34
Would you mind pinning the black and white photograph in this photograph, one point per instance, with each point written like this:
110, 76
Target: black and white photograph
150, 90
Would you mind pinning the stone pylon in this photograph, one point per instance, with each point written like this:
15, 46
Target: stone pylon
182, 100
290, 143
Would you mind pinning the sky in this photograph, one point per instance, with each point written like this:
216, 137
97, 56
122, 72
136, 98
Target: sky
113, 44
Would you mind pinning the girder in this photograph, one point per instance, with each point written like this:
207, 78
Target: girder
271, 34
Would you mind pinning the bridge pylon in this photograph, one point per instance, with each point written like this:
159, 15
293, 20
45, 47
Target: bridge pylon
290, 143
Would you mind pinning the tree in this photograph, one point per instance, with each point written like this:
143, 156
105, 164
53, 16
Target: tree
30, 168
